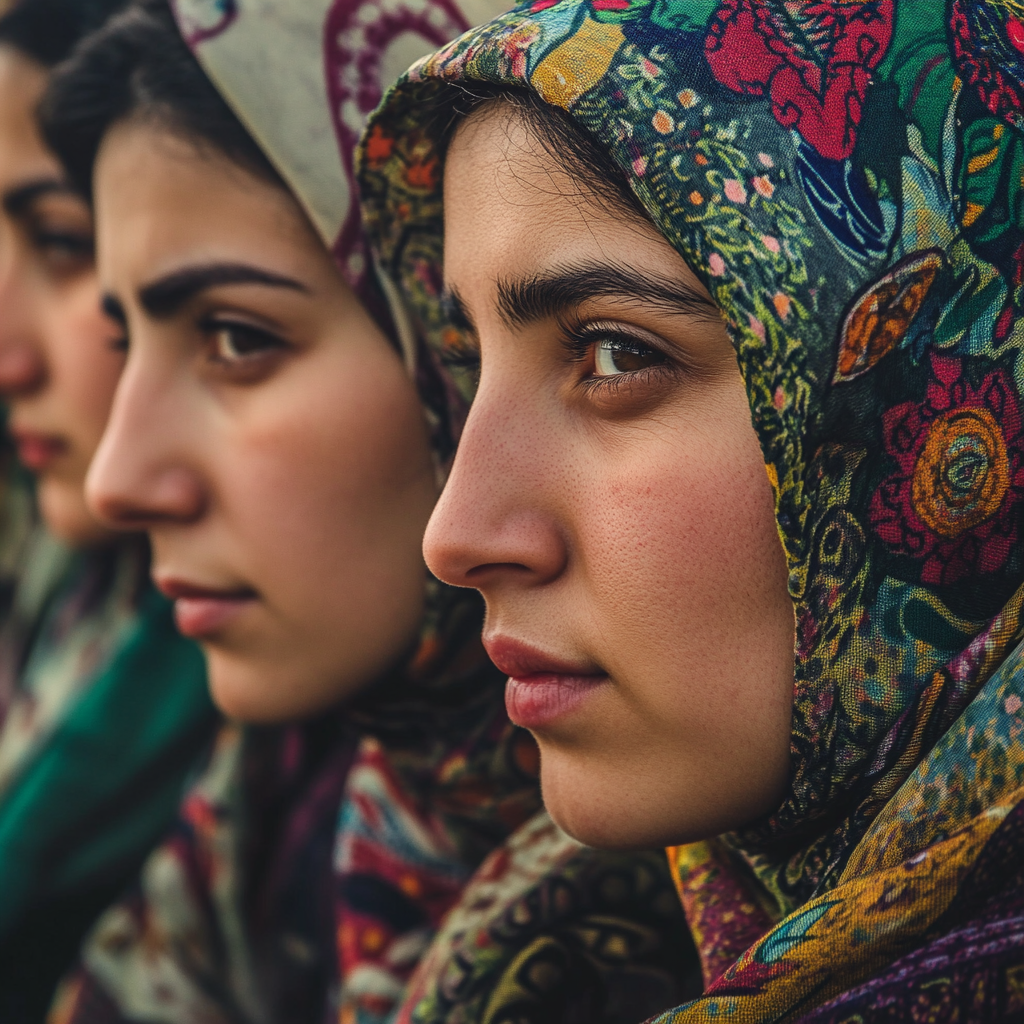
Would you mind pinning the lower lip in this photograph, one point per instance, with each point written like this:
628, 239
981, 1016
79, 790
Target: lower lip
199, 617
538, 700
36, 453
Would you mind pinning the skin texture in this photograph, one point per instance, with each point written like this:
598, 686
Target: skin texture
266, 435
58, 368
620, 523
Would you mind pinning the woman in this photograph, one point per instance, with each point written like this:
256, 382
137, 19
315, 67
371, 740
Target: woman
268, 435
103, 706
839, 183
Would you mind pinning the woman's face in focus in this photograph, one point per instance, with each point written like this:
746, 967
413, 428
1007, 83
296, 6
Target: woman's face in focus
610, 502
58, 360
264, 432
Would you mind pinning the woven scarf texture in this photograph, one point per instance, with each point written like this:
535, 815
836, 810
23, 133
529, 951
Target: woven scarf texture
846, 180
104, 713
313, 864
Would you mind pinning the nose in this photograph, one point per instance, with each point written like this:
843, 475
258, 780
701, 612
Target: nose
496, 523
142, 476
22, 367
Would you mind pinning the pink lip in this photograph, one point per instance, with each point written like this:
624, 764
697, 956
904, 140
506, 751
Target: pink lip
38, 451
541, 688
202, 612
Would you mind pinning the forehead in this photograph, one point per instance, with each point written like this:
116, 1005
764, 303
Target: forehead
22, 152
160, 199
498, 166
511, 209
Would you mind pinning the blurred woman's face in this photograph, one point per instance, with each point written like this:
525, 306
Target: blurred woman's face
264, 431
610, 502
58, 362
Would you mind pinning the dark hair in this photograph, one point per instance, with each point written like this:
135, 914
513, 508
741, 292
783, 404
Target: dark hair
138, 66
584, 159
48, 30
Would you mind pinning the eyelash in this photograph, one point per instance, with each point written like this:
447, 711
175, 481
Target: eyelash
79, 245
581, 340
461, 356
272, 343
64, 252
211, 327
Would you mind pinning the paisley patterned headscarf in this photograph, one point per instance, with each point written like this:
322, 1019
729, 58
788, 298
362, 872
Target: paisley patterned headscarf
430, 775
440, 775
847, 179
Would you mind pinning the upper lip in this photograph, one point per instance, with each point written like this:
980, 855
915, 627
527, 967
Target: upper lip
21, 435
173, 587
518, 660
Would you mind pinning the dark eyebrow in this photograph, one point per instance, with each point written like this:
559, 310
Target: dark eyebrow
455, 311
17, 200
526, 300
165, 296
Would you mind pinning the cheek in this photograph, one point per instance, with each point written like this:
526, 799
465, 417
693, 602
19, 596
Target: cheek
683, 557
685, 582
325, 477
84, 366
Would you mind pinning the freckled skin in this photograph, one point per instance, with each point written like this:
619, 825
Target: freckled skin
58, 370
302, 472
630, 531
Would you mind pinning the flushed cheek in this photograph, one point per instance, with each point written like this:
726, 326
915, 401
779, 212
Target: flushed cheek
325, 485
682, 572
292, 516
320, 501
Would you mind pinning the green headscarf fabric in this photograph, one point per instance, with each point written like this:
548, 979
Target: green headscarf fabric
105, 713
104, 708
97, 791
846, 179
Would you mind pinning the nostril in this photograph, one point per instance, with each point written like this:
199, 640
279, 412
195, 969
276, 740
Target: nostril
131, 519
479, 572
120, 519
113, 510
133, 495
125, 514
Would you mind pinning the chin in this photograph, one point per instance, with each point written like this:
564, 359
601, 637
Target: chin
68, 518
265, 691
589, 810
596, 805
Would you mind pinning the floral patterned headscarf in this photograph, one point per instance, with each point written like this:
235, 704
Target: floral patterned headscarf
439, 777
847, 179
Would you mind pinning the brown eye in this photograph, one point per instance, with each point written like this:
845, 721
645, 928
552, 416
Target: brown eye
60, 228
234, 342
64, 250
618, 355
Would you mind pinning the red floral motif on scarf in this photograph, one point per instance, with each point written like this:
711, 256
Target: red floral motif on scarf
814, 60
954, 499
988, 46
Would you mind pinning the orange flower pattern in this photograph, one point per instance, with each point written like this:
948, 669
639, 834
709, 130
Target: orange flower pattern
954, 501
